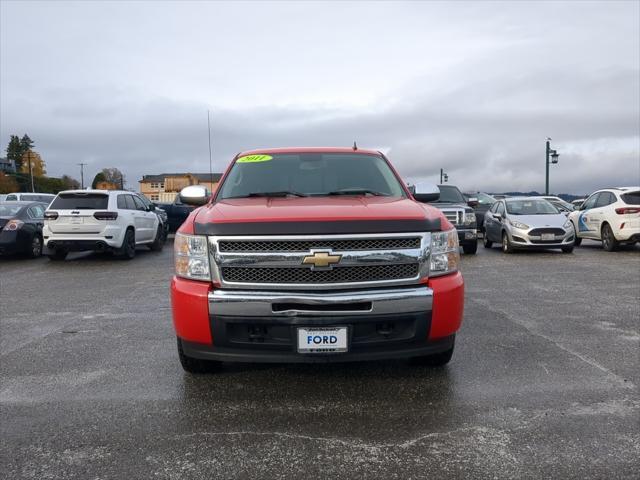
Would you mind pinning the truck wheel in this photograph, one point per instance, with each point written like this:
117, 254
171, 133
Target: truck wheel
195, 365
58, 255
486, 242
158, 242
470, 248
506, 245
437, 360
609, 242
128, 248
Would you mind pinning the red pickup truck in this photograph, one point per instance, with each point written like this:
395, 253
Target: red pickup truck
314, 255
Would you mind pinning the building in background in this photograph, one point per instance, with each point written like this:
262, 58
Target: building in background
7, 166
164, 187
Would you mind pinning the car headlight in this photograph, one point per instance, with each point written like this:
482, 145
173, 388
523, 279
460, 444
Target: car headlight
445, 253
519, 225
567, 224
469, 218
191, 257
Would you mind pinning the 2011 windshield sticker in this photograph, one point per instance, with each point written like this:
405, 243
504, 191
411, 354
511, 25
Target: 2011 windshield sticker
254, 159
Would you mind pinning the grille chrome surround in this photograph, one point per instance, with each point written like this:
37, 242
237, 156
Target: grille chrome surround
319, 244
359, 273
455, 216
404, 264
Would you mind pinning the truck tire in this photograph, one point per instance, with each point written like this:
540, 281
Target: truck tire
128, 248
195, 365
58, 255
158, 242
436, 360
609, 242
470, 248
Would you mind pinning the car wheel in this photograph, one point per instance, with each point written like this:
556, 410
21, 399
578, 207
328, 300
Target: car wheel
36, 247
470, 248
436, 360
58, 255
577, 241
567, 249
195, 365
128, 248
506, 244
609, 242
158, 242
486, 242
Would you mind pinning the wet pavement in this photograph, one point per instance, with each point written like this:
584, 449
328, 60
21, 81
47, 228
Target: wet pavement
544, 382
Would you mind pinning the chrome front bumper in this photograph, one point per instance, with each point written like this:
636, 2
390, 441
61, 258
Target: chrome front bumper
291, 304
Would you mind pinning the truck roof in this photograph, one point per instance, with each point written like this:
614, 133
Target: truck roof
266, 151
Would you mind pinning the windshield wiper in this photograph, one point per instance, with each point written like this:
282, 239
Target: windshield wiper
358, 191
282, 193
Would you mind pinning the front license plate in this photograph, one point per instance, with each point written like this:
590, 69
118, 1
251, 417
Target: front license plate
547, 236
322, 339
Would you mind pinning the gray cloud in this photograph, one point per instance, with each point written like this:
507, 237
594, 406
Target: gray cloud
472, 88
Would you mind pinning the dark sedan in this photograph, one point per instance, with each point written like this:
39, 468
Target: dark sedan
21, 227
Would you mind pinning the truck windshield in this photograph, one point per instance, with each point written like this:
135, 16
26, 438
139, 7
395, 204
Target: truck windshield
450, 194
310, 174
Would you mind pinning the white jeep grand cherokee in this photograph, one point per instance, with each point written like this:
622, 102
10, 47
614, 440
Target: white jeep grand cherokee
100, 220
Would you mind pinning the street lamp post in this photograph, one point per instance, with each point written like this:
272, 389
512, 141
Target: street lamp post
554, 159
443, 176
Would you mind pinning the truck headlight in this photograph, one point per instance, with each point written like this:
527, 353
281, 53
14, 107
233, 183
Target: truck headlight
469, 218
445, 253
191, 257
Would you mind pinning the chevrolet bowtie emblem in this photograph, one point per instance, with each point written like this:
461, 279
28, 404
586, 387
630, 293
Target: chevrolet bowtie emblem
321, 260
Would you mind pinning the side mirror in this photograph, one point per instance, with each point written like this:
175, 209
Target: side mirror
472, 202
194, 195
426, 192
151, 207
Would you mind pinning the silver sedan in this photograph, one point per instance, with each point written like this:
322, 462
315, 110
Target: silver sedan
522, 222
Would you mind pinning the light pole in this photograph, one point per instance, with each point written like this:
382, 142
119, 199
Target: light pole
443, 176
554, 159
82, 175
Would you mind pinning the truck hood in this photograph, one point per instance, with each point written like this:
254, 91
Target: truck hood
463, 206
316, 215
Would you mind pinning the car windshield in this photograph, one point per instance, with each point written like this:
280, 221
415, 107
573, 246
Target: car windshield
530, 207
483, 198
450, 194
80, 201
310, 174
9, 210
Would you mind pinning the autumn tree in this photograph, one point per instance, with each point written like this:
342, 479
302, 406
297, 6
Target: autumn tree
113, 175
32, 163
99, 178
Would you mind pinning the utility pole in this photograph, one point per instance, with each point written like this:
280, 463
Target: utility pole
30, 171
82, 175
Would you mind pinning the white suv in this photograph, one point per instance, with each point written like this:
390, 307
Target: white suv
100, 220
611, 215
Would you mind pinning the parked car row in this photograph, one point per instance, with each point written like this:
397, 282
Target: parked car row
82, 220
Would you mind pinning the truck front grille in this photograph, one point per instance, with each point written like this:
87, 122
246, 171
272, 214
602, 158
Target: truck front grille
363, 273
453, 216
307, 245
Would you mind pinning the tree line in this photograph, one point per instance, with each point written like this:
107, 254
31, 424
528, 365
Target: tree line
31, 169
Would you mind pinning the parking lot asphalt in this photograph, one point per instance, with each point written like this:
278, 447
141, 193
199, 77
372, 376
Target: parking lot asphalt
544, 382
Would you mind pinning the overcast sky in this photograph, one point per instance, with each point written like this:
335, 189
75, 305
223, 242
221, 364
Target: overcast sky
474, 88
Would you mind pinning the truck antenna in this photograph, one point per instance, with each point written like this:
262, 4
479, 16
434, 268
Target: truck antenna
355, 147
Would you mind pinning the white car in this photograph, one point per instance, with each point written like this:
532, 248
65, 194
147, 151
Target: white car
29, 197
100, 220
611, 215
